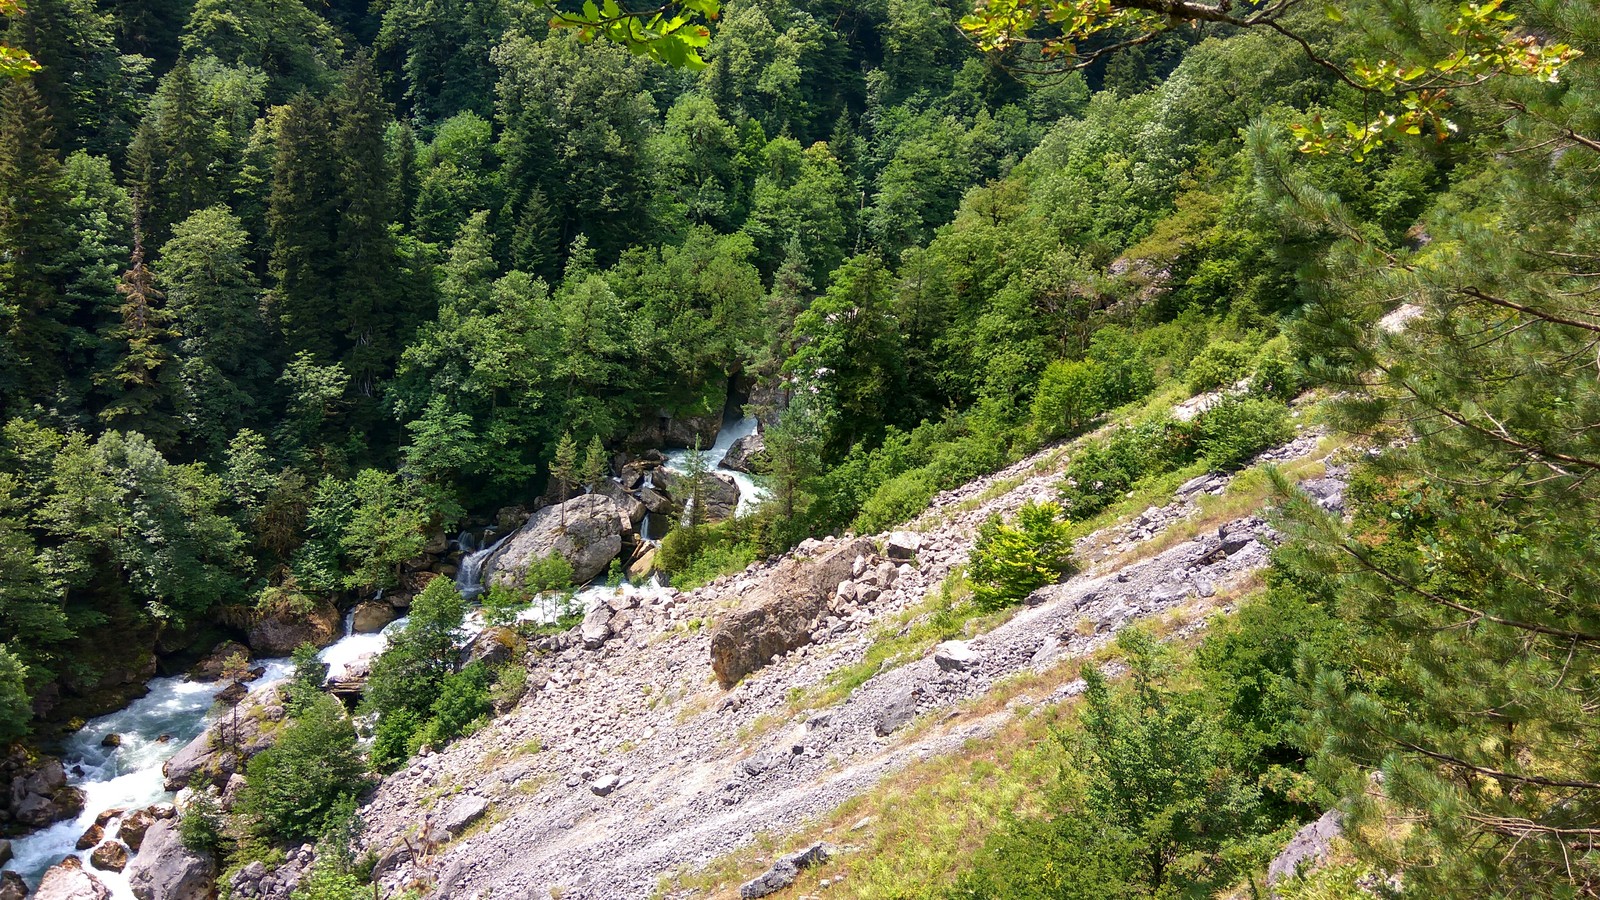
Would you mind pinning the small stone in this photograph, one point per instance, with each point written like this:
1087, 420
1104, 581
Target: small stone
604, 785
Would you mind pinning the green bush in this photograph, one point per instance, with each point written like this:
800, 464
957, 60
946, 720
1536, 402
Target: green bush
1228, 434
896, 500
712, 562
551, 573
1100, 474
1125, 373
305, 681
391, 740
501, 604
1220, 364
292, 787
462, 704
1068, 397
1010, 561
200, 828
1275, 374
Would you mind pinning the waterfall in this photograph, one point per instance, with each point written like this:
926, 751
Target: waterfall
470, 575
750, 493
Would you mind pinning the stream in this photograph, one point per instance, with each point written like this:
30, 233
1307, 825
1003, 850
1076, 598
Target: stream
175, 711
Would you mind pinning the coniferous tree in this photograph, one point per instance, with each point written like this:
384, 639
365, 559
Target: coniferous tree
31, 219
141, 383
216, 306
300, 217
596, 465
564, 472
374, 322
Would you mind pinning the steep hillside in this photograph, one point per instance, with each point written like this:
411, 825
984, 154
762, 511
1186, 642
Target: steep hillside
628, 762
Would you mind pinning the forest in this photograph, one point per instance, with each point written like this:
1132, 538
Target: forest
288, 288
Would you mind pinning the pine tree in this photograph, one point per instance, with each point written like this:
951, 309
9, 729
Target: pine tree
140, 383
32, 241
596, 465
696, 469
187, 154
365, 261
564, 471
300, 218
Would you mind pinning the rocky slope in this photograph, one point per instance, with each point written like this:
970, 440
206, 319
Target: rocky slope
628, 760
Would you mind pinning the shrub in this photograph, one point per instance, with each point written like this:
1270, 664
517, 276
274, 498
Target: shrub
713, 562
895, 501
1102, 473
1010, 561
1125, 373
1069, 396
463, 701
501, 604
391, 740
551, 573
1220, 363
200, 826
1275, 373
407, 675
305, 681
293, 786
1228, 434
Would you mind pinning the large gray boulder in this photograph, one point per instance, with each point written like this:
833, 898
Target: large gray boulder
781, 615
280, 633
164, 869
68, 880
219, 751
586, 531
748, 454
719, 494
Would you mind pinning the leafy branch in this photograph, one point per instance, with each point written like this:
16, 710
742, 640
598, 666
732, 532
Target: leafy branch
671, 33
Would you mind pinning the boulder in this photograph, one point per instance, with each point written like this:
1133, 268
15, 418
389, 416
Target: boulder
111, 856
719, 494
748, 454
585, 530
633, 509
604, 785
644, 562
896, 715
902, 545
1235, 536
955, 656
6, 853
12, 887
370, 617
68, 880
457, 818
218, 752
655, 501
494, 647
280, 633
92, 835
112, 740
1308, 849
166, 870
210, 666
596, 627
781, 615
783, 872
135, 826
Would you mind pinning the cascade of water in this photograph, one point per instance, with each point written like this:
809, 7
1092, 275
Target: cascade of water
469, 576
750, 493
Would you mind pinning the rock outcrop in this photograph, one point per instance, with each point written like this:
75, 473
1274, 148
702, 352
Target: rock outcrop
783, 872
257, 882
210, 666
164, 869
220, 750
1308, 848
781, 615
748, 454
280, 633
68, 880
370, 617
586, 531
39, 792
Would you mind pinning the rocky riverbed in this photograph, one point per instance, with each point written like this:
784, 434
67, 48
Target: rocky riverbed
629, 759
